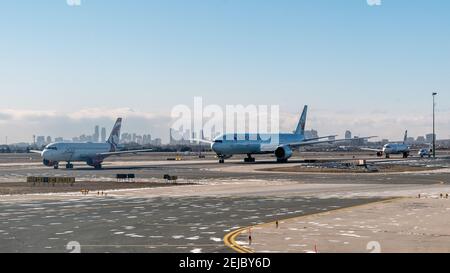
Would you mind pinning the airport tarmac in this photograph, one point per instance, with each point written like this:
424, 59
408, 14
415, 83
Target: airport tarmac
187, 218
404, 225
152, 168
159, 224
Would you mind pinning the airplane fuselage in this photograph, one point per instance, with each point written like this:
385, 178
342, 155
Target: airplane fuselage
282, 145
72, 152
91, 153
396, 148
231, 144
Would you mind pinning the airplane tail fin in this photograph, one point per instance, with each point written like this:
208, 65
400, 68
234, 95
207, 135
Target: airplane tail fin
406, 137
302, 122
115, 134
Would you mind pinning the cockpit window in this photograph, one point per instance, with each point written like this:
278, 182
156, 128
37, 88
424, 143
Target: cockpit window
52, 148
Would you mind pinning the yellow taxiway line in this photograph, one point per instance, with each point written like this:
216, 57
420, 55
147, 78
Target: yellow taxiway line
230, 238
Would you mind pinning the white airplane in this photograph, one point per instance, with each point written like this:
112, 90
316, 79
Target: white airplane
393, 148
227, 145
91, 153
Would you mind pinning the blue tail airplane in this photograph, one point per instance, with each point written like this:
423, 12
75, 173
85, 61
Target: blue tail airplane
282, 144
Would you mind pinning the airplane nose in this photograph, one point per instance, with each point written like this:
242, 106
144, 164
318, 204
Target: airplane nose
46, 154
213, 146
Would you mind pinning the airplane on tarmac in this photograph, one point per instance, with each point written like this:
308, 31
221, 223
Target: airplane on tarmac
282, 145
393, 148
91, 153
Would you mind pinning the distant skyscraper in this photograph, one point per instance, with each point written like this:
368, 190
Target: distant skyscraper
103, 135
146, 139
96, 135
40, 141
410, 140
421, 139
157, 142
429, 138
311, 134
49, 140
348, 135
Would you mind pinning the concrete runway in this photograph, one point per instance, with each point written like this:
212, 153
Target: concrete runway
187, 224
191, 218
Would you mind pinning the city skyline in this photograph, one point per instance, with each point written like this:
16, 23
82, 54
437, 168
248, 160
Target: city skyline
287, 122
148, 139
366, 67
97, 136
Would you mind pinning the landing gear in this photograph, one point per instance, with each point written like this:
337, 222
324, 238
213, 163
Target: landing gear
388, 156
405, 155
69, 165
56, 166
282, 160
222, 158
98, 166
249, 159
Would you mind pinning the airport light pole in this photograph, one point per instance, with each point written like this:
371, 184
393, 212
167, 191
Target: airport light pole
434, 125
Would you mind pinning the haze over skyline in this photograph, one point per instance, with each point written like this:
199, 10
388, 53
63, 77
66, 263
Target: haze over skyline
366, 68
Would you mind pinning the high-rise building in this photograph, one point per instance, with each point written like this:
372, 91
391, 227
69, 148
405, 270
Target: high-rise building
410, 140
49, 140
171, 140
146, 139
421, 139
96, 134
103, 138
348, 135
157, 142
429, 138
311, 134
40, 141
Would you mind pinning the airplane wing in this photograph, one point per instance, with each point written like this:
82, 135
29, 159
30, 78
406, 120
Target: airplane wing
35, 151
202, 141
307, 143
124, 152
371, 150
318, 138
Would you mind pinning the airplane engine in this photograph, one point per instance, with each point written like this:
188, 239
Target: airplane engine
283, 153
49, 163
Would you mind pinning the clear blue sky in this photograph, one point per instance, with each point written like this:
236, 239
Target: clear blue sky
149, 55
